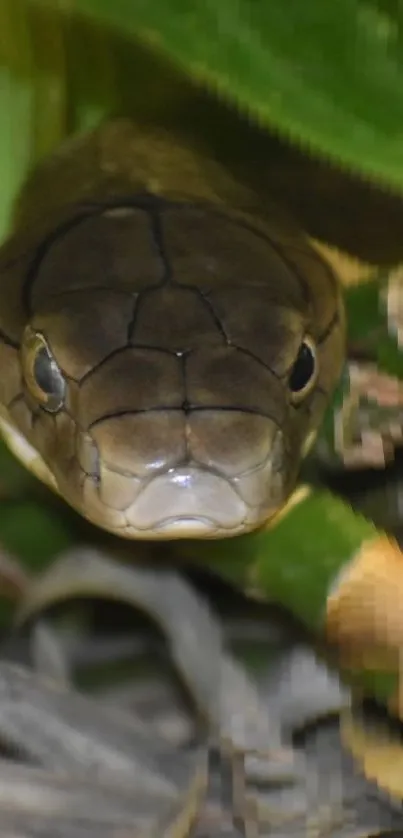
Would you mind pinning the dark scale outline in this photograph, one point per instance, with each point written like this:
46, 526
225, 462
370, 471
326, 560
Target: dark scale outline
170, 279
280, 251
194, 290
79, 432
118, 351
210, 307
157, 229
132, 322
191, 408
329, 328
226, 215
41, 252
157, 226
324, 264
153, 204
81, 212
13, 344
15, 400
211, 209
57, 295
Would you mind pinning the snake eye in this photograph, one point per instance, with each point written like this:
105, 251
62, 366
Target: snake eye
41, 372
303, 374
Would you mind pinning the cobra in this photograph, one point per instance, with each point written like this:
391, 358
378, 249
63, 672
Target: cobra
167, 349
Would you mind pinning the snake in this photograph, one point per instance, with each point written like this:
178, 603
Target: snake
169, 344
168, 347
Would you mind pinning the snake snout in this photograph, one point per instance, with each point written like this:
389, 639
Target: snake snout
214, 473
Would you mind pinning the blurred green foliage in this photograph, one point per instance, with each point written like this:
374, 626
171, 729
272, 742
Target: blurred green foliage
328, 75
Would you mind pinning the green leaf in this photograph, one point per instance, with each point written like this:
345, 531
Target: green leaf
33, 533
329, 75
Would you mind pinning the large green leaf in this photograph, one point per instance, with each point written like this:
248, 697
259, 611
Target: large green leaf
62, 72
326, 74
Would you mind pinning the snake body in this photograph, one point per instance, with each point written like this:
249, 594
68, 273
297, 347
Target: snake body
167, 350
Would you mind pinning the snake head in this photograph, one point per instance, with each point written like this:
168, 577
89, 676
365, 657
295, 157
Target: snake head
165, 365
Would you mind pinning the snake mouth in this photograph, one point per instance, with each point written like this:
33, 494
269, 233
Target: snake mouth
186, 527
186, 502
